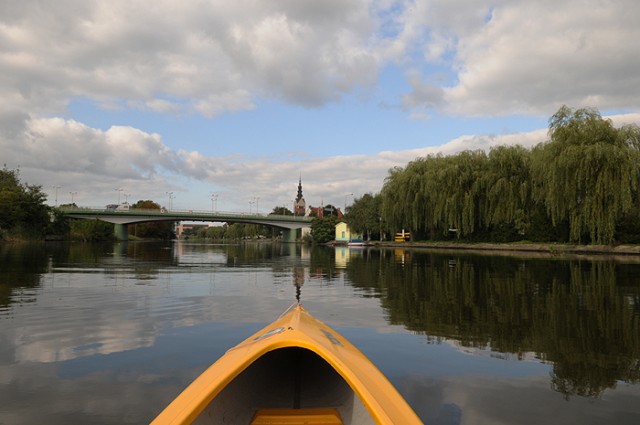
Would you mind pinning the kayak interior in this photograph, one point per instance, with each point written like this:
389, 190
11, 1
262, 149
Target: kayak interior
287, 381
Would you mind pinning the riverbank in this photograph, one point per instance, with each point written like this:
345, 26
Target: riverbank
517, 247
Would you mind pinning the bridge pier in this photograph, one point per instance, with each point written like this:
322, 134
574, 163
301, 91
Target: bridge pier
121, 231
289, 235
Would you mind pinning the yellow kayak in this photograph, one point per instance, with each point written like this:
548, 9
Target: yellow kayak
296, 370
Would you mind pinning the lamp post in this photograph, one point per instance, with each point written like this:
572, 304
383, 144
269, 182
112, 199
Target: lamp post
72, 195
126, 198
170, 198
214, 202
345, 202
257, 199
119, 192
56, 189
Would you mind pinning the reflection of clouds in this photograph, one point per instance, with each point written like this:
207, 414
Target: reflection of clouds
472, 400
112, 396
488, 352
67, 324
83, 314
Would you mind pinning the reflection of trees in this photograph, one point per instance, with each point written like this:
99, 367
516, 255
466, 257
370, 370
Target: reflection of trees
250, 254
21, 267
582, 316
322, 264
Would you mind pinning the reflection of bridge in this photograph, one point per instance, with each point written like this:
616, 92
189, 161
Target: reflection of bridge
121, 219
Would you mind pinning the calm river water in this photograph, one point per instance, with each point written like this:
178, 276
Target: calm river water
109, 334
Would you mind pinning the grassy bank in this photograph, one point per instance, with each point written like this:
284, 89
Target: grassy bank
521, 247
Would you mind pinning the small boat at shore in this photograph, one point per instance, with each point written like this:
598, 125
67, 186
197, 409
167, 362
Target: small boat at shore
296, 370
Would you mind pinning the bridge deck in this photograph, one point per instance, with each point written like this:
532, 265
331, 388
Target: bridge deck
149, 215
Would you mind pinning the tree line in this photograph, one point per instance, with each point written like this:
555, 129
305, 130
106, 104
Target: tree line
580, 186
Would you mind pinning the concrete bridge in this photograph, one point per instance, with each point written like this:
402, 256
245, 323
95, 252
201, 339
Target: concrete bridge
121, 219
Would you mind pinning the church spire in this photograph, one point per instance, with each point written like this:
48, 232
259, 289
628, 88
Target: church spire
299, 205
299, 197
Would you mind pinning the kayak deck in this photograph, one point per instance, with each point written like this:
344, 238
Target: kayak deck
296, 370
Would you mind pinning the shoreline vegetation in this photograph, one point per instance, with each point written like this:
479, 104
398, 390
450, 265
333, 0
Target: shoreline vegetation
515, 248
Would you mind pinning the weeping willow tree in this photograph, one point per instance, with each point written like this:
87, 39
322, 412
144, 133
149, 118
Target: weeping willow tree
392, 199
587, 173
404, 200
508, 187
458, 192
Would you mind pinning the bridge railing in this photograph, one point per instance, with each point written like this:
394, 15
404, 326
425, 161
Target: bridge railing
136, 211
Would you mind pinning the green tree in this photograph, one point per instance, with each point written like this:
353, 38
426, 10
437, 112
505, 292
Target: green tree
364, 215
459, 196
323, 229
213, 232
22, 209
395, 198
153, 230
281, 211
587, 173
91, 230
508, 187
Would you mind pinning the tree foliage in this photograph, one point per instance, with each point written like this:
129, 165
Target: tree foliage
364, 215
281, 211
91, 230
22, 208
587, 173
323, 229
584, 179
154, 230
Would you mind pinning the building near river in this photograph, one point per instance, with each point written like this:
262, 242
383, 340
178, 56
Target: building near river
345, 235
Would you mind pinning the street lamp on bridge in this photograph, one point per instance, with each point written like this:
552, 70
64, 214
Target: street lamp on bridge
119, 192
171, 197
214, 202
56, 189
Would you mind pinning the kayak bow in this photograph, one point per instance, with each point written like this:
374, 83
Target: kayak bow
296, 370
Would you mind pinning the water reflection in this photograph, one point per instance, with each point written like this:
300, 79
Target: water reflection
581, 316
21, 269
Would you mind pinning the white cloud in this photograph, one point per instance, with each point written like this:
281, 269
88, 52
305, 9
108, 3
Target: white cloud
523, 57
491, 57
204, 58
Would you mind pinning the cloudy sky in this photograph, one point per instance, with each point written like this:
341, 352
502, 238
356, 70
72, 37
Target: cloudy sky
242, 98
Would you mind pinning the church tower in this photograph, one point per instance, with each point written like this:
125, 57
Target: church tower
299, 205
